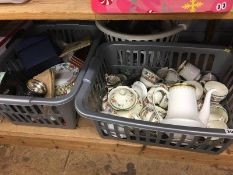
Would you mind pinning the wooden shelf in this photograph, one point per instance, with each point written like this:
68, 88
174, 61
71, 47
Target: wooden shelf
86, 138
81, 10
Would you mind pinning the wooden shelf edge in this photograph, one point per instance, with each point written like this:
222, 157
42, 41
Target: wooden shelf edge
86, 16
86, 138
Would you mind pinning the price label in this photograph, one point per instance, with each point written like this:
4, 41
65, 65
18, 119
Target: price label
229, 131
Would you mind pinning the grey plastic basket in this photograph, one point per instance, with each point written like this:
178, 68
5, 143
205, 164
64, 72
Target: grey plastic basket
55, 112
130, 58
170, 35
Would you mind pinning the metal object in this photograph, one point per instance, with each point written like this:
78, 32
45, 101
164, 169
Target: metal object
36, 88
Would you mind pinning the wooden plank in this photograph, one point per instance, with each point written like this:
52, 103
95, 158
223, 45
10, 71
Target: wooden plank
81, 9
85, 137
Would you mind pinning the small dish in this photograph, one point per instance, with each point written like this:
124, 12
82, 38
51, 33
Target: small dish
199, 88
221, 90
122, 98
140, 88
65, 76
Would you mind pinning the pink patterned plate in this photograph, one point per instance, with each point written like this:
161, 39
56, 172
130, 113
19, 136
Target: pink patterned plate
161, 6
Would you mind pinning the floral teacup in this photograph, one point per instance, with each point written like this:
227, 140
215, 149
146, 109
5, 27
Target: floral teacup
149, 78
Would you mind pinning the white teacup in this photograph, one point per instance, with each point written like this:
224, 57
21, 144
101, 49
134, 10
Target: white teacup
140, 88
158, 96
149, 78
152, 113
189, 72
172, 77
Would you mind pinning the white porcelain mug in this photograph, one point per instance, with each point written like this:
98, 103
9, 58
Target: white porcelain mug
161, 102
189, 72
158, 96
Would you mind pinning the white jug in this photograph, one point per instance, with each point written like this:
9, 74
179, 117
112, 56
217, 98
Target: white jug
182, 107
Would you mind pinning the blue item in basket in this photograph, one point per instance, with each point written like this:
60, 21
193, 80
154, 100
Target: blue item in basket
36, 55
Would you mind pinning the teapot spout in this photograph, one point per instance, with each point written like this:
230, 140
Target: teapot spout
205, 111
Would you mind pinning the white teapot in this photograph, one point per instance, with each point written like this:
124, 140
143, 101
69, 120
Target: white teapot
182, 107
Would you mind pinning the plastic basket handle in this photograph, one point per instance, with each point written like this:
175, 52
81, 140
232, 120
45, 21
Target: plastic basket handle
151, 37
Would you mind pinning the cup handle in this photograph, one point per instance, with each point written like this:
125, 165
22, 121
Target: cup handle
159, 89
153, 100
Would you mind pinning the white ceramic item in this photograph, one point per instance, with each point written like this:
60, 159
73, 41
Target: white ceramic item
149, 78
122, 98
162, 73
208, 77
132, 112
221, 90
140, 88
152, 113
158, 95
172, 77
218, 113
217, 124
199, 88
189, 72
65, 76
182, 107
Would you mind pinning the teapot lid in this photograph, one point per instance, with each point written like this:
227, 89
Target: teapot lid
122, 98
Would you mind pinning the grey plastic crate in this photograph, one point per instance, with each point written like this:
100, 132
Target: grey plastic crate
55, 112
130, 58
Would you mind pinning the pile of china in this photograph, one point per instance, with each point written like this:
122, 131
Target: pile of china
185, 96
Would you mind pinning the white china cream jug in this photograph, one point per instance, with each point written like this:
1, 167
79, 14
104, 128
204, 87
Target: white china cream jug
182, 107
